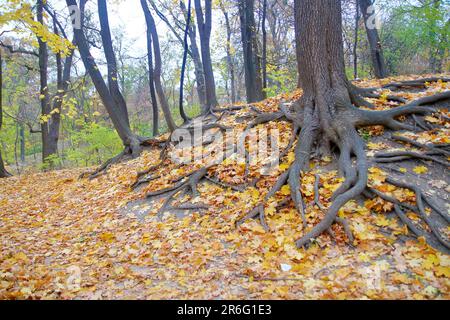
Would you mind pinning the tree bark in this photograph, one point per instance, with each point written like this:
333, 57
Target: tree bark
376, 50
183, 65
355, 44
111, 60
230, 63
129, 140
151, 27
204, 22
198, 65
264, 45
151, 83
3, 172
253, 81
48, 148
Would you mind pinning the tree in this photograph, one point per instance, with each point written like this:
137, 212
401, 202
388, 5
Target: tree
198, 65
153, 42
3, 172
204, 23
131, 141
264, 45
63, 70
328, 114
368, 12
111, 60
252, 67
48, 148
230, 63
183, 64
355, 43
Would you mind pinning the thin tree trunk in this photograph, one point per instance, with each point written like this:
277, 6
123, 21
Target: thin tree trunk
3, 172
22, 142
111, 60
204, 22
373, 38
198, 65
355, 44
253, 81
47, 149
230, 63
151, 26
152, 83
183, 65
115, 113
264, 46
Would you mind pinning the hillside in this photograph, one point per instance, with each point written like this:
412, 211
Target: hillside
66, 236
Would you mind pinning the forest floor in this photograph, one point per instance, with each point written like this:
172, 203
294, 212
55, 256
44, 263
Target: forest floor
65, 237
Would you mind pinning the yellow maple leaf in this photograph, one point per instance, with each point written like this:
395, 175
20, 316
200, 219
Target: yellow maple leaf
285, 190
420, 169
430, 261
381, 221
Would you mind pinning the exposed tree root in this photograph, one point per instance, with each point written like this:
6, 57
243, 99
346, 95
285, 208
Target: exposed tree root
396, 156
186, 183
419, 209
349, 143
132, 150
418, 83
316, 129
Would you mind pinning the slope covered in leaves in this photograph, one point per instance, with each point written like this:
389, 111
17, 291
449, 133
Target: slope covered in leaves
65, 237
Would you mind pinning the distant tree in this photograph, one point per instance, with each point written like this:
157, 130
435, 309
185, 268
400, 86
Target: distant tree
153, 43
131, 141
204, 23
252, 67
3, 172
376, 50
111, 60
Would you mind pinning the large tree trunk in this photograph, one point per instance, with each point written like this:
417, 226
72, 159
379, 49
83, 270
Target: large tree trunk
253, 81
230, 63
326, 104
376, 50
204, 22
129, 140
111, 60
3, 172
196, 58
151, 26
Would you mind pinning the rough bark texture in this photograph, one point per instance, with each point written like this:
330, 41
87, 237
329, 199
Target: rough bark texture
151, 26
374, 39
252, 67
204, 23
327, 114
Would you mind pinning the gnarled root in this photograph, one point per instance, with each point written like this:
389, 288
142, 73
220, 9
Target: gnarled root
419, 208
187, 182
